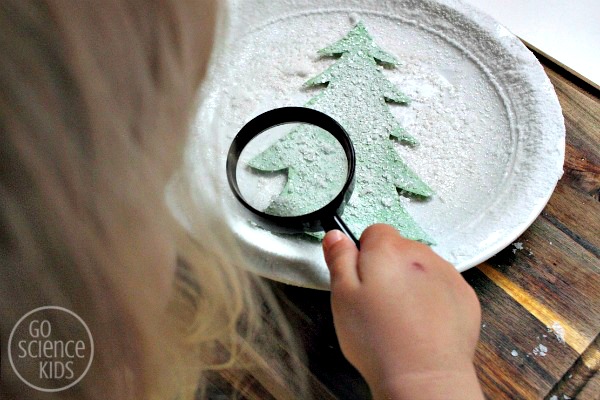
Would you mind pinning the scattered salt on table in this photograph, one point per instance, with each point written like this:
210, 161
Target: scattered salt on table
558, 330
540, 350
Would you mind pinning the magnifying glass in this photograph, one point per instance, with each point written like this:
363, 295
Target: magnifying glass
317, 157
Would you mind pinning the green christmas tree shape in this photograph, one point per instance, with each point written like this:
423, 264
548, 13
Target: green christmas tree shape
356, 95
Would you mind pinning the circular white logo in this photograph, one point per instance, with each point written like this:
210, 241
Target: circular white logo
50, 348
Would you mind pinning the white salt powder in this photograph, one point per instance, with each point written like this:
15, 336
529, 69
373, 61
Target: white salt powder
540, 350
458, 112
558, 330
517, 246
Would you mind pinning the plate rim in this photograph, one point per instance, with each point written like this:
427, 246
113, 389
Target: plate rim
489, 25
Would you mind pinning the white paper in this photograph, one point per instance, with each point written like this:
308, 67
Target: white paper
568, 32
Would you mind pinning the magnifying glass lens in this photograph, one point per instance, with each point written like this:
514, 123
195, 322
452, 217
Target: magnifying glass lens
291, 170
293, 167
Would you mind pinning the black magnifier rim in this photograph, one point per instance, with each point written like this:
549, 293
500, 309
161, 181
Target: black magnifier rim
285, 115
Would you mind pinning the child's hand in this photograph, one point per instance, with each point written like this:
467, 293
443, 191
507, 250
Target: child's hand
405, 318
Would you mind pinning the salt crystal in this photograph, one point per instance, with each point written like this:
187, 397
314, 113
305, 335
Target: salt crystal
518, 245
559, 331
514, 353
540, 350
554, 397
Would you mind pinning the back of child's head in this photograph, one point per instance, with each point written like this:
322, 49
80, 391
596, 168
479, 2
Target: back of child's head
95, 105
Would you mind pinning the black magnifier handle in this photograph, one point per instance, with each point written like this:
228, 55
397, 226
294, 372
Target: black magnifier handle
336, 222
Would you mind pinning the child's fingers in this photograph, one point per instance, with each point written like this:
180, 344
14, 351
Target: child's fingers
383, 235
384, 252
341, 256
381, 247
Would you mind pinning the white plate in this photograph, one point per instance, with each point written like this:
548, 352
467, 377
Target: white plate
489, 124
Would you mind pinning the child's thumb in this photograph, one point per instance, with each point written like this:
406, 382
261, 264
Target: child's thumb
341, 256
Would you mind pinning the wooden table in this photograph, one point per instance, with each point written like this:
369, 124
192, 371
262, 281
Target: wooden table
554, 280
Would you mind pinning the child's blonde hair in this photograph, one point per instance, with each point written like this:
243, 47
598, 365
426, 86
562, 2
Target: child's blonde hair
95, 102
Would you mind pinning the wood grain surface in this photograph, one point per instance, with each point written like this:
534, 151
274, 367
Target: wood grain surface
554, 280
